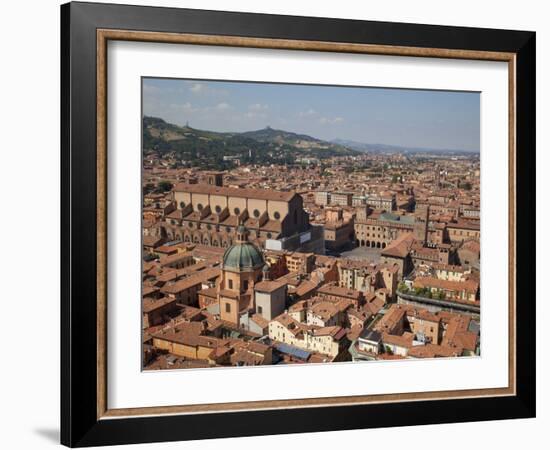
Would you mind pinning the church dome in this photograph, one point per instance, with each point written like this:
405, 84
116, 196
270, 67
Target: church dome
243, 256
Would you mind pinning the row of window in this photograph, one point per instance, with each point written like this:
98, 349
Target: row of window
236, 211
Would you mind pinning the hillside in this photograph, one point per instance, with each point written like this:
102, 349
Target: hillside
269, 134
217, 150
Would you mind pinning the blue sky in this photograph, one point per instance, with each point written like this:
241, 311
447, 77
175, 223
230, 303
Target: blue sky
411, 118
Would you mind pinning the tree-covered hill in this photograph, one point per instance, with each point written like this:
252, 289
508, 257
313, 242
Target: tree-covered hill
212, 149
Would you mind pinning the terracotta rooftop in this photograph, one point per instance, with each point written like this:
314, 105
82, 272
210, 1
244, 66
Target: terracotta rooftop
269, 286
470, 286
401, 247
260, 194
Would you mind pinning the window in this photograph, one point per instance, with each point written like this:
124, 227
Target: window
277, 215
245, 285
199, 206
227, 308
218, 209
230, 284
260, 310
237, 211
256, 213
269, 235
182, 205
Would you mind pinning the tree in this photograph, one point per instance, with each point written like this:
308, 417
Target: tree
402, 287
165, 186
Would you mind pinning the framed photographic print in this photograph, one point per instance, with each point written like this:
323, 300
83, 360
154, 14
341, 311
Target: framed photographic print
277, 224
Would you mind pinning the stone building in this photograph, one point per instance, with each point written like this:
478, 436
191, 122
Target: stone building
209, 213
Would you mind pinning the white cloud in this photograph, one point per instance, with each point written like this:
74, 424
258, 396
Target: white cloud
197, 88
308, 113
258, 107
330, 121
150, 89
187, 107
207, 89
222, 106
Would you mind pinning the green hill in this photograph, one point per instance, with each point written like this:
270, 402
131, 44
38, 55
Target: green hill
215, 150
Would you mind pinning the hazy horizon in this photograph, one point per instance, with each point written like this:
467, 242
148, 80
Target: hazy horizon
431, 120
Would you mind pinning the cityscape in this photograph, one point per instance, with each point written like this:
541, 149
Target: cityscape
345, 227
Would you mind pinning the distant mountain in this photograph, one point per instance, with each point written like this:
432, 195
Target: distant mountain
385, 148
215, 149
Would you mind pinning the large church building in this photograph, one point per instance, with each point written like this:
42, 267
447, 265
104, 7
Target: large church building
209, 214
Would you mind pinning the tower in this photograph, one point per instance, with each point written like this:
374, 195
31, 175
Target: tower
215, 178
241, 269
421, 224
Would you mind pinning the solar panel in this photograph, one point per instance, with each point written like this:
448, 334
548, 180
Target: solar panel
293, 351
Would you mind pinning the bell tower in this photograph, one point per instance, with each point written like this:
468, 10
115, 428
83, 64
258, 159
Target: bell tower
242, 268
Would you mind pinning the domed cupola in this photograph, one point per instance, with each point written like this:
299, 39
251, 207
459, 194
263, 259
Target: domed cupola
243, 255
